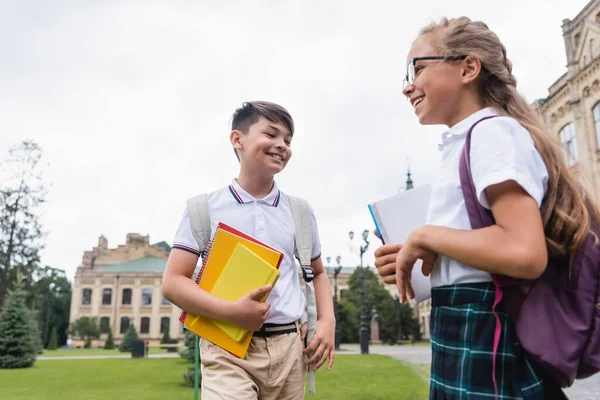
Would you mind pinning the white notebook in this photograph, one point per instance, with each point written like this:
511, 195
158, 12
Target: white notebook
395, 218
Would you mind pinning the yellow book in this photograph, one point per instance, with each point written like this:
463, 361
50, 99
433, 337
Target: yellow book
243, 273
223, 244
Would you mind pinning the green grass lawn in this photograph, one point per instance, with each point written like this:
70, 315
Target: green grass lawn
93, 352
353, 377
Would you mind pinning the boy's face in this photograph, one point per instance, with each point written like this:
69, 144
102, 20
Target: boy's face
265, 148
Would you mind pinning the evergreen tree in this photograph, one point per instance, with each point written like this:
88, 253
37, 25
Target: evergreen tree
188, 351
166, 338
109, 344
188, 354
53, 342
130, 336
20, 339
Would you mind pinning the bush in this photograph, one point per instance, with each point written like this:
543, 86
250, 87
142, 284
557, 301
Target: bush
109, 344
165, 339
130, 336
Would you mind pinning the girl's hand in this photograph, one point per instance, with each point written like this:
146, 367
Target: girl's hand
385, 261
405, 261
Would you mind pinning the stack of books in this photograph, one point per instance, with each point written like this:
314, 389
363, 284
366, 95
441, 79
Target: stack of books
236, 264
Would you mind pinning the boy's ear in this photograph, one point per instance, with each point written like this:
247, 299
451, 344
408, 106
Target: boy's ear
235, 137
471, 69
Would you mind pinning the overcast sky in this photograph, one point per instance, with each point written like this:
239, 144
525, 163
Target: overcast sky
131, 103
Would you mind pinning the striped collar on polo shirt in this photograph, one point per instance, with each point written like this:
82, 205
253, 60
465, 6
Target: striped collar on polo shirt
241, 196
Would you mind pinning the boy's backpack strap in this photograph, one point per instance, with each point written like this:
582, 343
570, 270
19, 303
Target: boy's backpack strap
197, 208
303, 226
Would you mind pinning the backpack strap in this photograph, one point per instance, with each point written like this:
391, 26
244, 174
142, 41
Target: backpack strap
197, 208
480, 217
303, 226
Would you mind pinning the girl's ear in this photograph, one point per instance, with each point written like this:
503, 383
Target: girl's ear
471, 68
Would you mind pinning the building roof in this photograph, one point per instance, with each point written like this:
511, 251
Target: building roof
163, 245
148, 264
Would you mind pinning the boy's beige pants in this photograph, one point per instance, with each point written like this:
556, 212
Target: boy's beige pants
273, 369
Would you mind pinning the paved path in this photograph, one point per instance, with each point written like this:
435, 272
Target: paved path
99, 357
588, 389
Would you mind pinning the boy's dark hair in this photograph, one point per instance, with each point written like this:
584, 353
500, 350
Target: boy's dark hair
251, 111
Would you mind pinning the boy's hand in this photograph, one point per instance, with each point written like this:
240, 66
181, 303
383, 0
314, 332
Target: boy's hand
303, 331
385, 261
249, 313
321, 346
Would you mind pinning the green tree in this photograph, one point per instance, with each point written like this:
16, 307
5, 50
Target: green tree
22, 192
19, 340
130, 336
53, 342
347, 319
166, 338
87, 329
389, 310
109, 344
50, 295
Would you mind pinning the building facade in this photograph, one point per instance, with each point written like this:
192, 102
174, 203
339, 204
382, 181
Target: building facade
572, 108
122, 286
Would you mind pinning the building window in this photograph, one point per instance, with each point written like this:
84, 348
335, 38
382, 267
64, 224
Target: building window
106, 297
145, 328
596, 112
165, 302
569, 143
104, 324
126, 297
86, 298
146, 296
343, 293
165, 322
124, 324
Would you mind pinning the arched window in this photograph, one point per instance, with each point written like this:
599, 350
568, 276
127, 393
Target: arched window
104, 324
569, 143
596, 112
126, 297
145, 325
124, 324
165, 322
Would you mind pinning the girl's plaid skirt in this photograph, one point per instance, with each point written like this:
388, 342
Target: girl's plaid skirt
462, 337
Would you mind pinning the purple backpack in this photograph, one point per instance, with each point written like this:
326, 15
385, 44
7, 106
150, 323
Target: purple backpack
557, 319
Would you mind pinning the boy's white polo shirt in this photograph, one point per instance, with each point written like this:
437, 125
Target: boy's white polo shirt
268, 220
501, 150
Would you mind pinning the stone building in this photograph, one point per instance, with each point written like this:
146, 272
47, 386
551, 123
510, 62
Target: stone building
572, 108
122, 286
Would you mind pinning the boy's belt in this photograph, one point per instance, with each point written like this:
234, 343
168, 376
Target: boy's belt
275, 329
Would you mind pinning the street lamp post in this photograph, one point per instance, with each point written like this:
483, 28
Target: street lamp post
336, 271
364, 330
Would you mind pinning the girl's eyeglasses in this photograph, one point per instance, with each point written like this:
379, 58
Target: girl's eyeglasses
409, 79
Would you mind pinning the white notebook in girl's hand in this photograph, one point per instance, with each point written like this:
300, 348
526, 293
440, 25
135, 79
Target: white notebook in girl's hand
395, 218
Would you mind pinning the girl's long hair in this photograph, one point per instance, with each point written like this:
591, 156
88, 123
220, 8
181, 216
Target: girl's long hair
566, 211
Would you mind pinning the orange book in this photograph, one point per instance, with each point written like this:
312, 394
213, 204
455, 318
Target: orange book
222, 247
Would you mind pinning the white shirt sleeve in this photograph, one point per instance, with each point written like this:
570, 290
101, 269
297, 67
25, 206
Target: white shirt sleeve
184, 238
503, 150
316, 241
